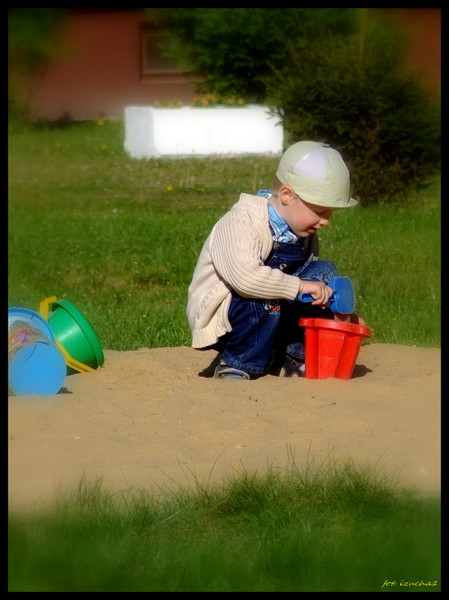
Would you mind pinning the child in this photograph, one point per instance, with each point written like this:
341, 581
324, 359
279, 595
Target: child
243, 297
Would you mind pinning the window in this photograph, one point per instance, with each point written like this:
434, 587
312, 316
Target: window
154, 65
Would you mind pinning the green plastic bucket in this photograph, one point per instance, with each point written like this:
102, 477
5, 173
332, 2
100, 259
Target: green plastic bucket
75, 333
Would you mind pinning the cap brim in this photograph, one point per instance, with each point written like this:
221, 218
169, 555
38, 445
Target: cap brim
350, 203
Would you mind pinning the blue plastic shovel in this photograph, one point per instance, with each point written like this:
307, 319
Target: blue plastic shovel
342, 300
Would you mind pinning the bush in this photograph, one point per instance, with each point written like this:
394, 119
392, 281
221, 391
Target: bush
365, 105
334, 75
232, 48
30, 47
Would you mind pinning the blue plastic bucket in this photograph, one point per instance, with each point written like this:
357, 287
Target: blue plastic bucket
35, 363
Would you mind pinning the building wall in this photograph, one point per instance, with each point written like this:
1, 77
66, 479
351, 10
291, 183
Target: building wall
98, 71
423, 26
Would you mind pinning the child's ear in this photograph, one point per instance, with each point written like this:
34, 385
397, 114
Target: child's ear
286, 194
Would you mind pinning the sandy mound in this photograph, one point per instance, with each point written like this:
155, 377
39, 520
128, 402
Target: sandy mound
153, 418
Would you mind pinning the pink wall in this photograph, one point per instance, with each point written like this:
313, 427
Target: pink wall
423, 25
102, 74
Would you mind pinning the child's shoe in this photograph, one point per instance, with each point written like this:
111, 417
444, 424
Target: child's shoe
222, 371
292, 367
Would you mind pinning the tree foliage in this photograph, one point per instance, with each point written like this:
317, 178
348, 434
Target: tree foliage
232, 49
361, 101
29, 36
334, 75
30, 47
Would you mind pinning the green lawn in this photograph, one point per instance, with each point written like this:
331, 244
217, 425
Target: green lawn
119, 237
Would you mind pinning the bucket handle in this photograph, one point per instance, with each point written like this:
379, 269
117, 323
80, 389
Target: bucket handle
71, 362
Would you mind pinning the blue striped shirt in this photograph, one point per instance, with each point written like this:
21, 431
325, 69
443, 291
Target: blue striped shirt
281, 231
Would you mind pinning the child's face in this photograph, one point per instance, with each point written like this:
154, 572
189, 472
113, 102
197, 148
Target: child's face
304, 218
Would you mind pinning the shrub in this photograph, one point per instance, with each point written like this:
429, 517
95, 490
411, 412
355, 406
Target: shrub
335, 75
362, 102
232, 48
30, 47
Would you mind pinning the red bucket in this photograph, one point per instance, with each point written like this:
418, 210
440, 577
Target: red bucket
331, 347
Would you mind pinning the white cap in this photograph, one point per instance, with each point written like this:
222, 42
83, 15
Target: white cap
317, 173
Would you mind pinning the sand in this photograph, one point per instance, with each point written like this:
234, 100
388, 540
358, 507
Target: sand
154, 419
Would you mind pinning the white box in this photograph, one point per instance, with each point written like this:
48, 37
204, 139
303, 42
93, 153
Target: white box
187, 131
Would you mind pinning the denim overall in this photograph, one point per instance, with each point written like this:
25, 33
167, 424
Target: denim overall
263, 331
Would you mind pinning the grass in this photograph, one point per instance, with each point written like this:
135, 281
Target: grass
119, 238
334, 528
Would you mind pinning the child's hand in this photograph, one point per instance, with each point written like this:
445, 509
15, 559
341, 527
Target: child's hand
321, 292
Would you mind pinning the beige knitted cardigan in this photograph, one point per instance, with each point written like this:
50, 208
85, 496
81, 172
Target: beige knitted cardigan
232, 258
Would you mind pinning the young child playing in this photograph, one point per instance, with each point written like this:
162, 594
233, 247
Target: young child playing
243, 299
